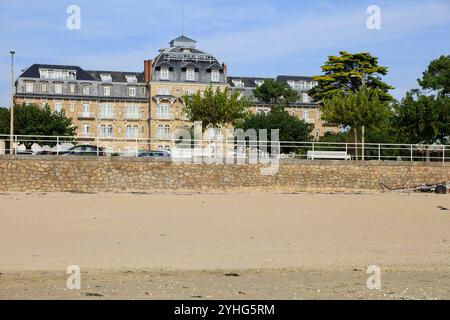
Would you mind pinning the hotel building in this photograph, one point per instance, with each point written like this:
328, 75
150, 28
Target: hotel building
130, 111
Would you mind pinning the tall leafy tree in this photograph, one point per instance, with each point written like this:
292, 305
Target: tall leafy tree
347, 73
290, 127
423, 119
35, 121
216, 108
275, 92
437, 76
364, 108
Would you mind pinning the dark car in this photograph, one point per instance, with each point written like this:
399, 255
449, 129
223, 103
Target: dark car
154, 154
84, 150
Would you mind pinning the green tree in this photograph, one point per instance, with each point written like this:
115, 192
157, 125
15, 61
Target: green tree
423, 119
437, 76
363, 108
347, 73
275, 92
290, 127
216, 108
34, 121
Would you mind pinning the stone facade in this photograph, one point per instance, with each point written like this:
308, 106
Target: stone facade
126, 108
111, 174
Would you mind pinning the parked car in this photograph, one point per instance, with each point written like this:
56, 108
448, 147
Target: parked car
84, 150
154, 154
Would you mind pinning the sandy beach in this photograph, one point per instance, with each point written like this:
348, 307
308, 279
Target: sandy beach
225, 246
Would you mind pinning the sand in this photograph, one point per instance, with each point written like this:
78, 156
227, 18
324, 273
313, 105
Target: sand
225, 246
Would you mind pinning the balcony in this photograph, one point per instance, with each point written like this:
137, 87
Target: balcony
164, 116
86, 115
85, 135
106, 136
133, 116
107, 116
164, 136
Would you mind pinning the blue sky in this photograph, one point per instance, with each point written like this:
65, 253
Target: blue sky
259, 38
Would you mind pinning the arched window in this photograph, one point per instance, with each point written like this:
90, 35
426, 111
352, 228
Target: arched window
110, 131
103, 130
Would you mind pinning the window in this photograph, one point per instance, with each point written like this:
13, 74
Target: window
238, 83
132, 132
86, 108
58, 107
164, 111
164, 74
190, 74
164, 91
305, 115
43, 104
190, 91
72, 88
262, 110
86, 90
132, 112
318, 114
72, 107
43, 87
132, 91
29, 87
215, 75
107, 91
106, 77
106, 131
86, 128
107, 111
58, 88
305, 97
143, 91
163, 132
131, 78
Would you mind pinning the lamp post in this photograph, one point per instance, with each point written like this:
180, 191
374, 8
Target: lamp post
363, 127
11, 125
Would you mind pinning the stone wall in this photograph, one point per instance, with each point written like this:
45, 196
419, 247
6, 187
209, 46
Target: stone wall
111, 174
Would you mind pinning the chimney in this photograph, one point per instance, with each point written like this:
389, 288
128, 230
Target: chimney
148, 70
225, 68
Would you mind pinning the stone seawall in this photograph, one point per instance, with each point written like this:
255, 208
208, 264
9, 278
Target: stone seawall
111, 174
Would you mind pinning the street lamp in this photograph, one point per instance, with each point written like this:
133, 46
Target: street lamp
11, 125
363, 127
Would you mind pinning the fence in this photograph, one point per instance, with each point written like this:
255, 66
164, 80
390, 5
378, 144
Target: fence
59, 145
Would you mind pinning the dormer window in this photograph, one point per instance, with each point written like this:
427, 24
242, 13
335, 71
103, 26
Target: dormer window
164, 74
131, 78
58, 74
215, 75
190, 74
106, 77
132, 91
238, 83
107, 91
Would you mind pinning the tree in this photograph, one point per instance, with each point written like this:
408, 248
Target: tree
437, 76
364, 108
216, 108
290, 127
34, 121
423, 119
347, 73
275, 92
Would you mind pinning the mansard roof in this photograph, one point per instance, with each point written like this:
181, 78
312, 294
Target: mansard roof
81, 74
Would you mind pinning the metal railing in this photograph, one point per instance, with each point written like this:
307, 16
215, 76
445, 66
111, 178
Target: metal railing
54, 145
